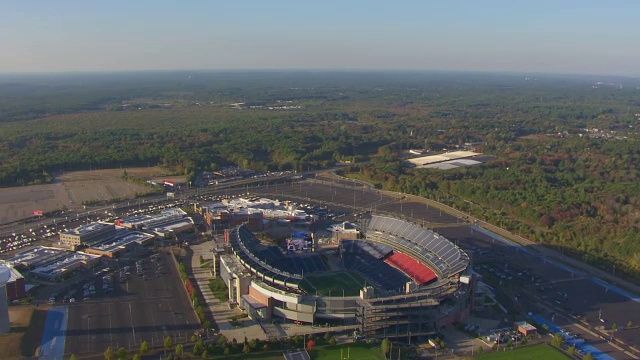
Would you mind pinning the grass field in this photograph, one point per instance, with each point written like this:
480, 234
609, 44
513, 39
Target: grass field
533, 352
359, 351
333, 284
219, 289
26, 332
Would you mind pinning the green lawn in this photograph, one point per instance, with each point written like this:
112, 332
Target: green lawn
359, 351
532, 352
333, 284
219, 289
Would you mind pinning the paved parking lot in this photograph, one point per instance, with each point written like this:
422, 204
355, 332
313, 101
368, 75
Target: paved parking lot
531, 283
136, 310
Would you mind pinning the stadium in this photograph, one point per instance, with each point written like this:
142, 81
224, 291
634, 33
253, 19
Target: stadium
392, 279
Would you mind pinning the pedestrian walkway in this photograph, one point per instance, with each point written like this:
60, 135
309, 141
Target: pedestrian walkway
221, 311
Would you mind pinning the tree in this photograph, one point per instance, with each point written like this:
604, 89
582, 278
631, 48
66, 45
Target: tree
254, 343
179, 350
386, 346
480, 349
572, 350
614, 327
108, 354
587, 357
73, 357
629, 324
205, 355
122, 353
333, 341
311, 344
227, 351
558, 339
327, 336
144, 347
137, 356
265, 347
246, 348
222, 340
168, 342
524, 340
509, 343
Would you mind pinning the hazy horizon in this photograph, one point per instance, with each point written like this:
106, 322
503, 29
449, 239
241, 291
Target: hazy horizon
571, 37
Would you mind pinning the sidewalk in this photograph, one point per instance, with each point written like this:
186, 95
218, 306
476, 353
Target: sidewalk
221, 311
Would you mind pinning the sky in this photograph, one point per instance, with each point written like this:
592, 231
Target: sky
562, 36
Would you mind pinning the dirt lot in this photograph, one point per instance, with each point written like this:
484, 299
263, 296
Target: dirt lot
25, 334
71, 189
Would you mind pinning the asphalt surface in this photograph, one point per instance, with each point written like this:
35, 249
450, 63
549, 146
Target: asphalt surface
136, 311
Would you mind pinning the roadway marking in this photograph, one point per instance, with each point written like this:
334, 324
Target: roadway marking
133, 329
110, 325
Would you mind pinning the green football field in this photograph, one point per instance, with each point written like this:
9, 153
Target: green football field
532, 352
359, 351
333, 284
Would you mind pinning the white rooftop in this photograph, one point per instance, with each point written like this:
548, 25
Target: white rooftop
432, 159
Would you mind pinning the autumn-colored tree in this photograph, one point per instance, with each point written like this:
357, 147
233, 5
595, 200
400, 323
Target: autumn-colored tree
311, 344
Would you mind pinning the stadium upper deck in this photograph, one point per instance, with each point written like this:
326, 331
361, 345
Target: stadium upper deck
444, 258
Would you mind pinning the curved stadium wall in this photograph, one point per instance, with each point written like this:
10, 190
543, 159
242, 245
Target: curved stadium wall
275, 292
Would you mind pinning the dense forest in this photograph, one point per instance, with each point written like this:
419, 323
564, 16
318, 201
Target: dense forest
567, 157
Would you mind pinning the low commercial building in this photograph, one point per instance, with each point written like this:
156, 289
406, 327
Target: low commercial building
87, 234
15, 286
65, 267
150, 221
166, 223
36, 257
525, 328
226, 219
120, 243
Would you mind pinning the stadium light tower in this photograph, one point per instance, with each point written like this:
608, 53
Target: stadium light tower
5, 275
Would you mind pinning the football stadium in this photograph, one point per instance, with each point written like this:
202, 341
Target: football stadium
392, 278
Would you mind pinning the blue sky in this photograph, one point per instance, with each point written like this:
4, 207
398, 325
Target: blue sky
591, 37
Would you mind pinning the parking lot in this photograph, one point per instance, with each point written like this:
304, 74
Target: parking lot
137, 302
570, 298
